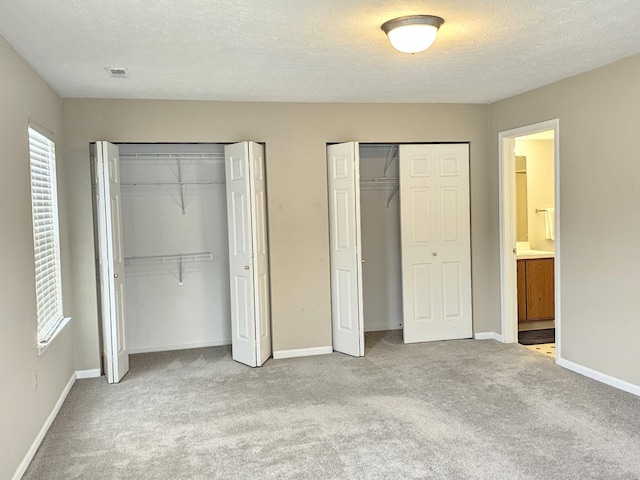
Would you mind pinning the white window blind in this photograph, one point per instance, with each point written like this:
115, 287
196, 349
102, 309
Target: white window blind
44, 202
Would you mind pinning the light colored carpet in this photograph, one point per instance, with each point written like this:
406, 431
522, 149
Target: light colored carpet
446, 410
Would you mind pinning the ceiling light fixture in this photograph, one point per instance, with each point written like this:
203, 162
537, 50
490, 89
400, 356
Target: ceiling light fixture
413, 33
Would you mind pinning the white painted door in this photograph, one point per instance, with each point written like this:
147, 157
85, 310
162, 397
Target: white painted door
346, 248
111, 260
261, 252
248, 253
436, 242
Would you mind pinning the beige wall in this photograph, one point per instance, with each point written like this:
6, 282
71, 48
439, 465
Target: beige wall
296, 136
25, 404
540, 184
599, 113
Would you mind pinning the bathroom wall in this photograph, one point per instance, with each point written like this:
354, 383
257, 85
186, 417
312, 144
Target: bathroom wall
540, 194
522, 224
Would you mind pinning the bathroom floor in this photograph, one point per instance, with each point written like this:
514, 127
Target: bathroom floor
548, 349
537, 337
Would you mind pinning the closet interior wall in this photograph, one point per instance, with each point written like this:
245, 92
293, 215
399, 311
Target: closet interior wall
174, 221
381, 250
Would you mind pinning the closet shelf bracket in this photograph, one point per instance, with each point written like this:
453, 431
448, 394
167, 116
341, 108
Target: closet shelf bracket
392, 154
395, 190
181, 201
180, 259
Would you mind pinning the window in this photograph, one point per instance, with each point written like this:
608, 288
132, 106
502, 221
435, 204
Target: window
44, 203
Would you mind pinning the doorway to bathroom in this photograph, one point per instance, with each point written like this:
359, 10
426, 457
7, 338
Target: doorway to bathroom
529, 247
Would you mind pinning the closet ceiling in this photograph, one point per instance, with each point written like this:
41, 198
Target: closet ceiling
314, 50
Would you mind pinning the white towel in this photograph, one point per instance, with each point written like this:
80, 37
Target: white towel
550, 223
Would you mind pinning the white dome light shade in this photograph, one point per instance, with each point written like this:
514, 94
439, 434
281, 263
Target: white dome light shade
413, 38
412, 34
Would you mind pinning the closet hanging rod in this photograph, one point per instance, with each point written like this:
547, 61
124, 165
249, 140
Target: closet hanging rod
184, 257
379, 146
379, 179
173, 184
173, 156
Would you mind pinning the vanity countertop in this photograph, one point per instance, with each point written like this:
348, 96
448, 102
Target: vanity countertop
529, 254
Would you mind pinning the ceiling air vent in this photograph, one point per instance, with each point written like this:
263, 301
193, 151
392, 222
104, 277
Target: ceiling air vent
117, 72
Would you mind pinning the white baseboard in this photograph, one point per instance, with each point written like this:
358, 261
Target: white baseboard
95, 373
182, 346
302, 352
488, 336
22, 468
599, 376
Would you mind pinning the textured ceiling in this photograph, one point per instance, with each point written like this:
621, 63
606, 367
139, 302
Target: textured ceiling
314, 50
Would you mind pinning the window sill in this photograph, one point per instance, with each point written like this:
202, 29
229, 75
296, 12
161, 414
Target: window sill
42, 346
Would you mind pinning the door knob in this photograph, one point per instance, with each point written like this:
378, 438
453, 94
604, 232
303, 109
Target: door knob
115, 276
435, 254
246, 267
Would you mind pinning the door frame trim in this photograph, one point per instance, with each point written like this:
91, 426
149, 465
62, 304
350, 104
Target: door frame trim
508, 275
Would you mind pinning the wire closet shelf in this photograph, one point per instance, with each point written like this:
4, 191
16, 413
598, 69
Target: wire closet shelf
179, 258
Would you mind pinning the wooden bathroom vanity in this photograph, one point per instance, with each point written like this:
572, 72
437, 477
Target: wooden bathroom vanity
535, 289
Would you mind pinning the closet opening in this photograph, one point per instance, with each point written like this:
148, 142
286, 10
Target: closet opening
381, 250
176, 250
181, 249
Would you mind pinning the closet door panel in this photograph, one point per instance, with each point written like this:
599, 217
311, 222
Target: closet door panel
345, 244
260, 248
346, 321
342, 219
243, 331
110, 248
451, 294
423, 292
242, 298
249, 253
421, 224
449, 215
238, 224
435, 231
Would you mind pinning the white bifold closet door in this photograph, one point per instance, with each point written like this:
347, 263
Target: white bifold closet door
111, 260
248, 253
346, 248
435, 241
249, 261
